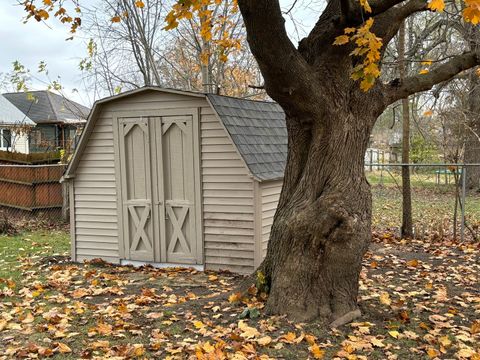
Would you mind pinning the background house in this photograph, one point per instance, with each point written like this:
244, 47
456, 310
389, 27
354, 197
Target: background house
59, 121
14, 127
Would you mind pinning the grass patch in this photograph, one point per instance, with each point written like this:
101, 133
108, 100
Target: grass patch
32, 245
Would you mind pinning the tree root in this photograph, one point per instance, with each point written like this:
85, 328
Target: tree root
345, 319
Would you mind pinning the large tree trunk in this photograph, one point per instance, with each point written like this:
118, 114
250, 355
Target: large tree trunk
322, 226
472, 145
407, 223
321, 229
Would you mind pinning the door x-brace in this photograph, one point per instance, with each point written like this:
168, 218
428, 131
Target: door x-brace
140, 227
177, 224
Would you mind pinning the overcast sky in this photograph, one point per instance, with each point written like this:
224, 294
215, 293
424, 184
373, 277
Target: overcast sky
33, 42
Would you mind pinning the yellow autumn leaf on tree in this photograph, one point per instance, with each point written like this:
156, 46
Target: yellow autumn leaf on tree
42, 14
366, 6
139, 4
471, 13
341, 40
368, 47
436, 5
116, 19
367, 83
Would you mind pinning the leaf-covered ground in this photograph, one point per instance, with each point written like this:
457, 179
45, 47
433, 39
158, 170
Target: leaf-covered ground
419, 301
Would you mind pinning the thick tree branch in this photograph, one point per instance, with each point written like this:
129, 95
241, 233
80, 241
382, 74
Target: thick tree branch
423, 82
352, 10
380, 6
288, 77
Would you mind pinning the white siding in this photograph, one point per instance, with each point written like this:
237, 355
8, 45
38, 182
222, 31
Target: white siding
270, 193
95, 197
20, 142
228, 217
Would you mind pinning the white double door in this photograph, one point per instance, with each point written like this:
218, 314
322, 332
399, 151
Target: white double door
158, 184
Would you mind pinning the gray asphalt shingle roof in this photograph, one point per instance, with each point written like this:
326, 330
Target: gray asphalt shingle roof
10, 115
258, 130
46, 107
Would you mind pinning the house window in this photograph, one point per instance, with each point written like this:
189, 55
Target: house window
5, 139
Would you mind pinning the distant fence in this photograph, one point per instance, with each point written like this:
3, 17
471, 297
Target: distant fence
373, 157
31, 187
9, 157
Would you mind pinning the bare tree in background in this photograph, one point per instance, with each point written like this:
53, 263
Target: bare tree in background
136, 51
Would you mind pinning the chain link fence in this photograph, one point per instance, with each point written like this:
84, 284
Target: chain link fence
444, 203
31, 197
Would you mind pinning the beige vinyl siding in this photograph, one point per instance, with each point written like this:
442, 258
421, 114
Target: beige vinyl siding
227, 187
96, 207
227, 200
95, 197
270, 194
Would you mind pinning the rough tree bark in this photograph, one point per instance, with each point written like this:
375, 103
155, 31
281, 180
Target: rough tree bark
321, 229
407, 223
472, 145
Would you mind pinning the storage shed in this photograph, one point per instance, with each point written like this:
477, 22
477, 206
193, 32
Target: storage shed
176, 178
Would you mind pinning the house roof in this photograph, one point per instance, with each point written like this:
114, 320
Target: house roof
44, 107
10, 115
259, 132
257, 129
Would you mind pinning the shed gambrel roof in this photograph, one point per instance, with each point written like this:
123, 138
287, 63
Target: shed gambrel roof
44, 107
10, 115
257, 129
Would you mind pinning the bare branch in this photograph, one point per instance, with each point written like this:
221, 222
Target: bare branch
388, 23
423, 82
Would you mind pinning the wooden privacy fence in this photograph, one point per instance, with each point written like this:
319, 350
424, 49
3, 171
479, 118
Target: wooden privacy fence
31, 187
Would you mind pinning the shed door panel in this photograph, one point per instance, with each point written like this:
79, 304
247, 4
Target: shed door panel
178, 189
136, 179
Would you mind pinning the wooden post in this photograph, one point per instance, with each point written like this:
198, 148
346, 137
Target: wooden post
66, 202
